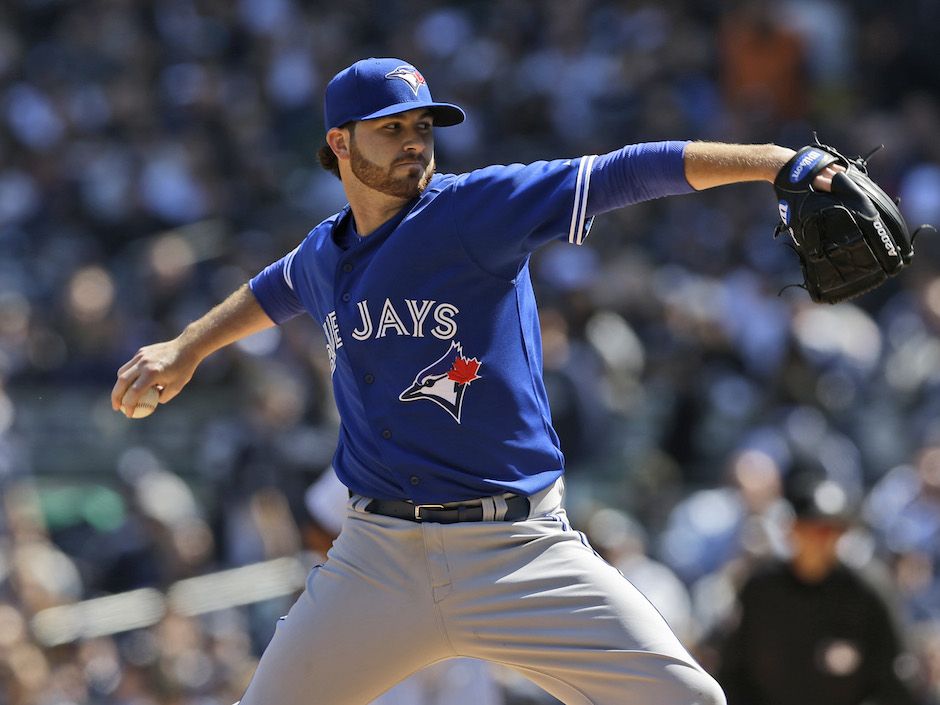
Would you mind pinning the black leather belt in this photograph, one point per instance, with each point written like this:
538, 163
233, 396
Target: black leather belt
517, 507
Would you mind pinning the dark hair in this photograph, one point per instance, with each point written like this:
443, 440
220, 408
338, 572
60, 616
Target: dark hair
813, 494
326, 156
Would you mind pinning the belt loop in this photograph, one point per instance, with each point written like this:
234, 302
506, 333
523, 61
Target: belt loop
488, 505
359, 503
500, 507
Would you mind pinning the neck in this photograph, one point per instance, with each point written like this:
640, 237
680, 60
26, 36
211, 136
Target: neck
370, 208
812, 569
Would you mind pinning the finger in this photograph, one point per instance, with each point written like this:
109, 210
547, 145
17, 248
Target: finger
823, 183
168, 392
823, 180
124, 381
173, 387
135, 389
130, 363
127, 400
126, 374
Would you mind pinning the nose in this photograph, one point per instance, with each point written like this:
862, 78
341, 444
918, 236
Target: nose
416, 141
414, 144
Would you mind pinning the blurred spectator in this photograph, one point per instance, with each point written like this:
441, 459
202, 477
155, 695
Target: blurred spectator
903, 509
809, 629
711, 527
764, 64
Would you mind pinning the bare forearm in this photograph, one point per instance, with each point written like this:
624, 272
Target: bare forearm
237, 317
710, 164
170, 365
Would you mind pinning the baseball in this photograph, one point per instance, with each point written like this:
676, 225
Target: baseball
146, 405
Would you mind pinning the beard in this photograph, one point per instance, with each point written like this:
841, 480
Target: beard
381, 179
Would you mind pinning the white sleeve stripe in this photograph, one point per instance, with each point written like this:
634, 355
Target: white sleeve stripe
577, 203
579, 213
286, 272
584, 196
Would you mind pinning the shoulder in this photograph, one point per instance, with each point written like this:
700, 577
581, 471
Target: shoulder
508, 180
766, 577
858, 582
502, 172
321, 233
768, 571
327, 225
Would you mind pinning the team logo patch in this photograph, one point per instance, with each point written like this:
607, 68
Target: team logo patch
410, 75
445, 381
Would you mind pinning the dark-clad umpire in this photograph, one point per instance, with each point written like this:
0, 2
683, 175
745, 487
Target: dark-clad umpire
810, 630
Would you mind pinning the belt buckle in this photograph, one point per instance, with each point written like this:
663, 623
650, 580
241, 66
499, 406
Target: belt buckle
419, 507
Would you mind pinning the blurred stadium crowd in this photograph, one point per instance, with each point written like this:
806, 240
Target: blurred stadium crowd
154, 155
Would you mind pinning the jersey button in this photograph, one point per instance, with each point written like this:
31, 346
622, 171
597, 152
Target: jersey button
386, 434
348, 267
369, 378
414, 480
346, 297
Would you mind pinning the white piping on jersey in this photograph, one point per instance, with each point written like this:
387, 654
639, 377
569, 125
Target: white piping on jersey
287, 264
579, 213
587, 187
577, 201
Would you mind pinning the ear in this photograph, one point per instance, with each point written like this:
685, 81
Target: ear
338, 140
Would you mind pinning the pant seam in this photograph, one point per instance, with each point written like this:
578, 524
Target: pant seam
547, 676
435, 605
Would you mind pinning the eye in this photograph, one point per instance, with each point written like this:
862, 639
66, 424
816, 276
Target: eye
428, 382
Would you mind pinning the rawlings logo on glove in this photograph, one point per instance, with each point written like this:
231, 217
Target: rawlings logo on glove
849, 240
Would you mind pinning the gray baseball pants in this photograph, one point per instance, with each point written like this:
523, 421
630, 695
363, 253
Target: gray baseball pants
395, 596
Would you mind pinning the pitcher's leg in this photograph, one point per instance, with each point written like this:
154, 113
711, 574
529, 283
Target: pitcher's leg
630, 679
561, 615
363, 623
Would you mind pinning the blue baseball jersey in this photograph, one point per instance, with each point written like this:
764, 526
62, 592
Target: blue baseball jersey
431, 323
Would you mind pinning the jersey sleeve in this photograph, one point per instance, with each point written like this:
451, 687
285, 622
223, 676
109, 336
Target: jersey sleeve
503, 213
638, 172
274, 288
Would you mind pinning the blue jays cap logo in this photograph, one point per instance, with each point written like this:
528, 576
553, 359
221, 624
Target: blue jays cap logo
410, 75
445, 381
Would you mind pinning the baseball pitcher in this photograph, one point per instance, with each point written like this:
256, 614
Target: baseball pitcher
456, 542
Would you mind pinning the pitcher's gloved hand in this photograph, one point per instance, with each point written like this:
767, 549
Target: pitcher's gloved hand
850, 239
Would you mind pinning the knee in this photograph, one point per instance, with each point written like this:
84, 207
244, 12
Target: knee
688, 684
703, 690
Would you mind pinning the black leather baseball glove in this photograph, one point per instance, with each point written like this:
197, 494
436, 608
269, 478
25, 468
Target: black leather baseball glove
849, 240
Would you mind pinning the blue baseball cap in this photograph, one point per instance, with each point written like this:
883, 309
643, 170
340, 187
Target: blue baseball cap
374, 88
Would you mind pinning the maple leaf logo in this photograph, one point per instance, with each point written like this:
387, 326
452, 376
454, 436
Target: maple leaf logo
464, 370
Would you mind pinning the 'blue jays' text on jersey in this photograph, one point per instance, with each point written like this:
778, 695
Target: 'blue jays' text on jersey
431, 322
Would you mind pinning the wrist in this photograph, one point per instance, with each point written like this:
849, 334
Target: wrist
777, 157
191, 344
